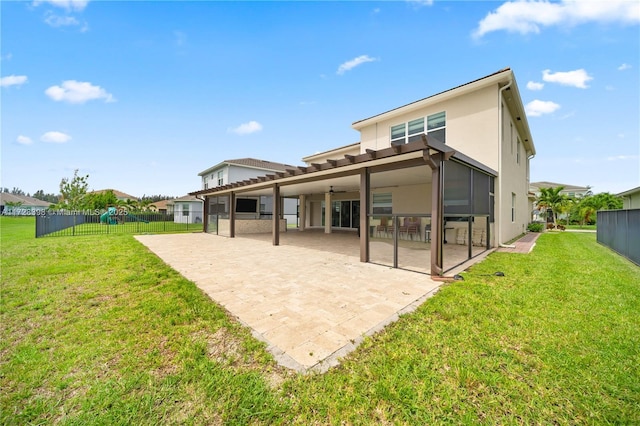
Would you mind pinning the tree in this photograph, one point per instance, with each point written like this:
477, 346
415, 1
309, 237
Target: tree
40, 195
72, 192
17, 191
584, 211
552, 199
101, 200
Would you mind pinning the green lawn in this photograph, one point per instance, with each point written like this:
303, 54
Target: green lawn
97, 330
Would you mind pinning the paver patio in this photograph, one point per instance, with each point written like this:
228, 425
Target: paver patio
310, 306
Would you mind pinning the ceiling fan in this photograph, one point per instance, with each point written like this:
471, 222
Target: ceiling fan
332, 191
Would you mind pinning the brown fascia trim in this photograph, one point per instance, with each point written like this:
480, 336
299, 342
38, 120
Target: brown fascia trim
350, 160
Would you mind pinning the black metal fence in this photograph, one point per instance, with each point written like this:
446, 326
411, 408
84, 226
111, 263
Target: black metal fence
71, 223
620, 231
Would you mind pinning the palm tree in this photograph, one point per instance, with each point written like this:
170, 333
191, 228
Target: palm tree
552, 199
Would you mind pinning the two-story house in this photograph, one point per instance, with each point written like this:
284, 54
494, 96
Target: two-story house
252, 206
433, 182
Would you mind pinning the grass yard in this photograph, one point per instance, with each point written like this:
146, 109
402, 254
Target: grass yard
97, 330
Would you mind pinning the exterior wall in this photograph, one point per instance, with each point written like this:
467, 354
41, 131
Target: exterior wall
212, 177
631, 201
512, 179
249, 226
471, 126
238, 174
334, 154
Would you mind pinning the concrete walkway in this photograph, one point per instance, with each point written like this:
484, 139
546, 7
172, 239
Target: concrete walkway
310, 306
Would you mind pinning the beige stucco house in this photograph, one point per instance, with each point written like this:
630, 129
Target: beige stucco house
630, 198
429, 185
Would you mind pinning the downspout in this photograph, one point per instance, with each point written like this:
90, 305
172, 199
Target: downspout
500, 139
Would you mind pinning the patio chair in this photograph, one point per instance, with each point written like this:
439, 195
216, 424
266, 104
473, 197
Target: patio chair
413, 228
404, 228
391, 228
382, 227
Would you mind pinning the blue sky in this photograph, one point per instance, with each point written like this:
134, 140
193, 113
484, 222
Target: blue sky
142, 96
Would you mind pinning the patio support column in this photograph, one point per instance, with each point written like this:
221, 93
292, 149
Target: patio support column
365, 190
327, 212
302, 211
205, 220
275, 234
232, 215
437, 213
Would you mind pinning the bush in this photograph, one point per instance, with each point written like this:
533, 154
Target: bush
535, 227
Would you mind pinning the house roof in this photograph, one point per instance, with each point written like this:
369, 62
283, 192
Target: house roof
6, 197
252, 163
629, 192
505, 77
567, 187
161, 204
119, 194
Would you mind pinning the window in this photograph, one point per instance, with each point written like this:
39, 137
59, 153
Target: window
382, 203
206, 182
436, 126
220, 178
412, 130
511, 136
185, 210
513, 207
518, 152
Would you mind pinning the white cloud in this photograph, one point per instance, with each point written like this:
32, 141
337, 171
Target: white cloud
624, 67
534, 85
55, 137
420, 3
69, 5
537, 108
529, 16
78, 92
577, 78
349, 65
6, 57
623, 157
246, 128
24, 140
56, 21
13, 80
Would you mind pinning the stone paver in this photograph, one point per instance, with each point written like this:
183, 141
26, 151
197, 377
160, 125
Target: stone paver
310, 306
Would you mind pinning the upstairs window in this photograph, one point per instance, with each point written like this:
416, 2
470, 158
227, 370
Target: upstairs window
412, 130
220, 178
436, 124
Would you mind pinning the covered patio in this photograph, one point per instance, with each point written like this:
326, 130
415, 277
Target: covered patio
403, 204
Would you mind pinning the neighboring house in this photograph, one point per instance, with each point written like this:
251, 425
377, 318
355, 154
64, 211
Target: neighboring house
572, 191
630, 199
445, 164
238, 170
19, 205
187, 209
568, 190
231, 171
162, 206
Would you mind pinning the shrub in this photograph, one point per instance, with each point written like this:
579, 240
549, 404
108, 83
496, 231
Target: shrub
535, 227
